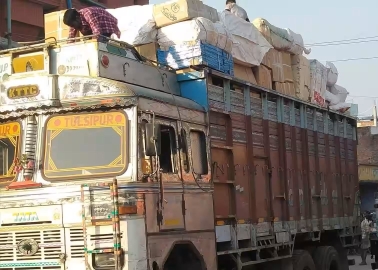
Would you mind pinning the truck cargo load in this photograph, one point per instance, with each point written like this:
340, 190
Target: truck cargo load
185, 157
281, 39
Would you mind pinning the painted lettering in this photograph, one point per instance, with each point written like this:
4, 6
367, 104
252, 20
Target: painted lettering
5, 130
4, 68
89, 120
23, 91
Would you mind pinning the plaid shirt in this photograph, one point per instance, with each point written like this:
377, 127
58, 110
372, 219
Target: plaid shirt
96, 21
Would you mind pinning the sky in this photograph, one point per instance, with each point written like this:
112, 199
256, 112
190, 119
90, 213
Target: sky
329, 20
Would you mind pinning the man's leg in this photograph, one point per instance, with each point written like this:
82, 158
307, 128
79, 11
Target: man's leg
363, 256
104, 37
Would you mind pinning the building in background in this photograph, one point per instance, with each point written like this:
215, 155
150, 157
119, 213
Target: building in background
367, 152
368, 176
28, 15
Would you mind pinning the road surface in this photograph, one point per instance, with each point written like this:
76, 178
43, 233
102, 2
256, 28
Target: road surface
358, 261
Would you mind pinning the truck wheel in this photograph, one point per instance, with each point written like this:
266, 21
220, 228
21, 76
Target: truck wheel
302, 260
326, 258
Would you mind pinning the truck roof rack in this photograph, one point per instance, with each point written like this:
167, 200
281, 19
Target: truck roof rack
32, 45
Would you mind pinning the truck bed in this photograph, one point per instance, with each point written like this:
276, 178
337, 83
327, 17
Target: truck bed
279, 163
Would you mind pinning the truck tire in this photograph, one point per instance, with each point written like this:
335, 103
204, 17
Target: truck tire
343, 255
302, 260
327, 258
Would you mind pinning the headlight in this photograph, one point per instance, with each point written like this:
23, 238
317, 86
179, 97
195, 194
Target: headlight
104, 261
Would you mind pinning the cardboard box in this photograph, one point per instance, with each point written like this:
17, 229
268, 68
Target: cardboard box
268, 58
286, 66
278, 87
286, 88
263, 76
289, 89
277, 66
182, 10
300, 66
54, 26
148, 51
244, 73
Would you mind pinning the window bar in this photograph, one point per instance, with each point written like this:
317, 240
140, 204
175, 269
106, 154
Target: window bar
116, 225
84, 225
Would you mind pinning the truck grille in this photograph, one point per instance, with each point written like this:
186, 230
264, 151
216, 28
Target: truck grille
76, 243
51, 244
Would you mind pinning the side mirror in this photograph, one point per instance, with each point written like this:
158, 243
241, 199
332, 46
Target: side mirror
153, 140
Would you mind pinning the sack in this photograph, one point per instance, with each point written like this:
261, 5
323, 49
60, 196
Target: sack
332, 74
340, 92
341, 107
331, 98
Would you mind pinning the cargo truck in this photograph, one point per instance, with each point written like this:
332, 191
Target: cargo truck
111, 161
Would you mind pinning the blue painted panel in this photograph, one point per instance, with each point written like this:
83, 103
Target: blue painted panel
367, 191
195, 90
199, 53
189, 76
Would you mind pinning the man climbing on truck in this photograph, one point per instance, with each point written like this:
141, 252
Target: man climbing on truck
91, 21
238, 11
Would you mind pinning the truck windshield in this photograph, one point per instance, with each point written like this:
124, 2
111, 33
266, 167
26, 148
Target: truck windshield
9, 146
81, 145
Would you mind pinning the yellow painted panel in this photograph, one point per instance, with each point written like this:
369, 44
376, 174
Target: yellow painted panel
29, 63
11, 129
368, 173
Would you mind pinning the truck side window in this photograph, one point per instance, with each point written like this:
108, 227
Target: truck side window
199, 153
168, 149
5, 152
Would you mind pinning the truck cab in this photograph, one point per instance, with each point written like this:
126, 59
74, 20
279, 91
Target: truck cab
75, 118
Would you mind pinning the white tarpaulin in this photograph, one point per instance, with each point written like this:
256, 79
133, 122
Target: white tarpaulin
197, 29
248, 44
224, 40
136, 23
281, 39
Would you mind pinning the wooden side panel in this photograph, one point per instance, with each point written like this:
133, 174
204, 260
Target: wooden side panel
292, 198
262, 186
323, 175
300, 169
242, 183
223, 175
352, 179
